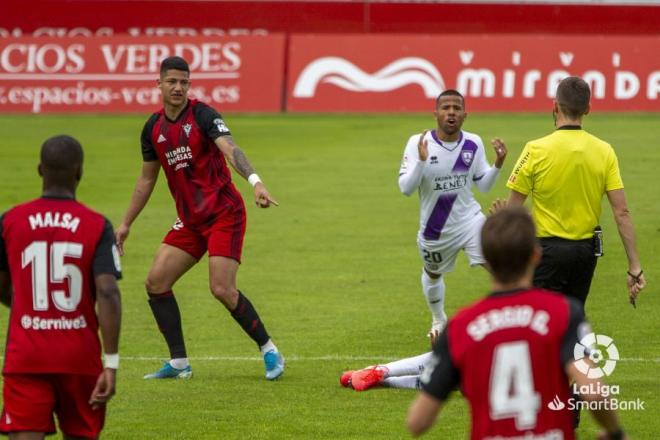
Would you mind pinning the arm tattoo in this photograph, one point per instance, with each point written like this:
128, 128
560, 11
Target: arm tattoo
241, 163
236, 157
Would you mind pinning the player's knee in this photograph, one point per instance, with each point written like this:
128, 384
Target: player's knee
153, 286
225, 293
433, 276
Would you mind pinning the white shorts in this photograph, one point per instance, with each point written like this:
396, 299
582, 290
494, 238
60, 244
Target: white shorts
439, 256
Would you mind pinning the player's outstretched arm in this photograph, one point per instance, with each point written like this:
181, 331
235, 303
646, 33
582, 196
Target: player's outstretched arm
422, 414
636, 281
109, 315
242, 165
606, 418
143, 188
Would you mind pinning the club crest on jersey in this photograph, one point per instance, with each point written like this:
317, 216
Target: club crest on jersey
467, 157
187, 128
222, 128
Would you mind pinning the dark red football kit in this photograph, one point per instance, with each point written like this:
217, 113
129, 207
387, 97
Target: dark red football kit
53, 248
210, 208
508, 354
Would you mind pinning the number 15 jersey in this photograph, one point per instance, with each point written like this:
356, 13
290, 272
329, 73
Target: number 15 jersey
53, 248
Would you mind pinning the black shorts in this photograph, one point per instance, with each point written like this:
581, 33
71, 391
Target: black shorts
567, 266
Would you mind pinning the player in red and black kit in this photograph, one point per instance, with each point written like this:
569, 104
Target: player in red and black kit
191, 142
511, 353
56, 263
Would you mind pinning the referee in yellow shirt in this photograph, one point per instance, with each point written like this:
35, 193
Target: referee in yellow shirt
566, 174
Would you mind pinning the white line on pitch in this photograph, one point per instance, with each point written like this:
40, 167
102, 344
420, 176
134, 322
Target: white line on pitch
322, 358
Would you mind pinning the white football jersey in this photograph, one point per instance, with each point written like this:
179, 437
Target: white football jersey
447, 204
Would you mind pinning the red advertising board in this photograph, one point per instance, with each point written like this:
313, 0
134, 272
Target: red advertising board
118, 74
389, 73
184, 18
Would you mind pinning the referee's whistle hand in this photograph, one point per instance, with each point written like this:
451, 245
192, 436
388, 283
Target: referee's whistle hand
635, 286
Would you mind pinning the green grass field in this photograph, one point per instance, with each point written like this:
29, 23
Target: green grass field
333, 271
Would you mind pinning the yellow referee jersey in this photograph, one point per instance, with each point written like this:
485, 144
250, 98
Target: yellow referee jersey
566, 174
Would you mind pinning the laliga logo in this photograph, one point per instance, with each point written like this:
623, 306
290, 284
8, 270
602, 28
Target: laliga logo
344, 74
591, 346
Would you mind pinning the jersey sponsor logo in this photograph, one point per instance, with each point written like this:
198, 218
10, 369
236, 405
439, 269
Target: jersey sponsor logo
508, 317
519, 166
161, 138
187, 128
346, 75
38, 323
54, 220
179, 157
595, 355
222, 128
452, 182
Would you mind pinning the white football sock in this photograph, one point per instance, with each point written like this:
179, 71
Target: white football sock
409, 382
408, 366
434, 292
179, 363
268, 346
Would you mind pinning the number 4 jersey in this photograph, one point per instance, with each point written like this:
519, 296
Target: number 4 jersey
53, 248
508, 354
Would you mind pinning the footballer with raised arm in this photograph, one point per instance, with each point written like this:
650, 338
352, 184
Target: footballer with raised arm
442, 165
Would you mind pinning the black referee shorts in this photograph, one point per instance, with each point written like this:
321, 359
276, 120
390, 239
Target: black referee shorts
567, 266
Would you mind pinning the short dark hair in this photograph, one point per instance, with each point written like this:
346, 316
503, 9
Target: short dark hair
449, 92
573, 97
174, 63
508, 239
61, 153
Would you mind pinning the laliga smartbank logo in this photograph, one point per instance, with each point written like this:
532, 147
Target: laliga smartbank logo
595, 348
595, 356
